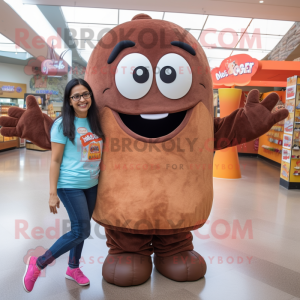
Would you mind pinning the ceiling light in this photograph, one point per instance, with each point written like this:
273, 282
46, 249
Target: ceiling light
261, 1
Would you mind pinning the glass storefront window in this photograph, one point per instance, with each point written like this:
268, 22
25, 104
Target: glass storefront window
21, 103
5, 100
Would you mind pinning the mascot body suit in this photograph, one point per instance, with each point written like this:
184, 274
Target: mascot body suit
152, 84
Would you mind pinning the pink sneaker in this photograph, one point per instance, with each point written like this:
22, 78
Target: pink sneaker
32, 272
77, 275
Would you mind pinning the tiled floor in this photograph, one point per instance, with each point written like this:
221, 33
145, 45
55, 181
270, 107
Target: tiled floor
261, 266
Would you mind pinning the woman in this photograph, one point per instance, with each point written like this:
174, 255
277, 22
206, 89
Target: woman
76, 142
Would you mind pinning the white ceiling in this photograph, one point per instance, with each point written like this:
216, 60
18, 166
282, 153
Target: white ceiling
17, 20
215, 33
292, 3
270, 9
247, 28
8, 46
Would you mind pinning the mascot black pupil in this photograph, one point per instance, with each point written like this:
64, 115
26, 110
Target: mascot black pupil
141, 74
168, 74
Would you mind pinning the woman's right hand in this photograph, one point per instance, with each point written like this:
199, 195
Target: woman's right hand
53, 203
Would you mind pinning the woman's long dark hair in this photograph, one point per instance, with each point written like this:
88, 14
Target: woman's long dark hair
68, 113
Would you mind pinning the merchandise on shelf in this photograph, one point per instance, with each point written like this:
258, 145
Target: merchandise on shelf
291, 155
273, 140
7, 142
297, 166
51, 112
271, 149
296, 147
277, 127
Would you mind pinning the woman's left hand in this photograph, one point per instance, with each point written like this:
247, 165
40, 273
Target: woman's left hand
53, 203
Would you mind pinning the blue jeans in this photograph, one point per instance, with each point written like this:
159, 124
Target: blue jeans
80, 206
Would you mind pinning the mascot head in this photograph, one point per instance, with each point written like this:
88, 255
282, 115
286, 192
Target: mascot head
151, 74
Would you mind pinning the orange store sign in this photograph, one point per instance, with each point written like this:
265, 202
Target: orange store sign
12, 90
235, 70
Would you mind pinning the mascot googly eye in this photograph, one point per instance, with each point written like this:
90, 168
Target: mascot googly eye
173, 76
134, 76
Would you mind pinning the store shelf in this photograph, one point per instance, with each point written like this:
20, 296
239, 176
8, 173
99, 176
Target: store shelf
9, 144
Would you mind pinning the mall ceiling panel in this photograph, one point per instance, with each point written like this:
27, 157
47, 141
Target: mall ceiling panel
35, 19
89, 31
278, 10
219, 39
258, 54
56, 18
127, 15
86, 45
270, 27
8, 46
10, 23
220, 23
16, 55
90, 15
85, 54
11, 60
217, 53
259, 41
17, 22
11, 48
293, 3
214, 63
4, 40
195, 33
193, 21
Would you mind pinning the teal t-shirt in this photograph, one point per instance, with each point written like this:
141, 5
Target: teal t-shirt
80, 165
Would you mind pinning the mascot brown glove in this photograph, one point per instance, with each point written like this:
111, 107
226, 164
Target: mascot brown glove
29, 123
248, 123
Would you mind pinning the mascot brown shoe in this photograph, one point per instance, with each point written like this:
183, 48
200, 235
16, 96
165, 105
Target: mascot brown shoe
183, 266
127, 269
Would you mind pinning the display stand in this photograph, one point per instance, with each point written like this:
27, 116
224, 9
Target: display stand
31, 146
290, 166
226, 163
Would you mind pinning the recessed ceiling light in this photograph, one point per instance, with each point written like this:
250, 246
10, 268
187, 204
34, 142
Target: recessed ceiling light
261, 1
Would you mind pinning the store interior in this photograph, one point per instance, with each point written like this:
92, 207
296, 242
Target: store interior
265, 194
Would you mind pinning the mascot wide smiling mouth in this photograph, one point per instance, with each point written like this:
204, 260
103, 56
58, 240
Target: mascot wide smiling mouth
153, 87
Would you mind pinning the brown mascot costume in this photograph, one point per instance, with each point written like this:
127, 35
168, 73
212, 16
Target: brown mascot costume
152, 84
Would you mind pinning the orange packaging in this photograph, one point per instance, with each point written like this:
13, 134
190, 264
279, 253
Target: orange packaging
91, 147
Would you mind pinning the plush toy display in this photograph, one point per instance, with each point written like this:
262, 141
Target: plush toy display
152, 84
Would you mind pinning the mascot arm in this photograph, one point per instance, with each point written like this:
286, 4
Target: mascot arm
247, 123
29, 123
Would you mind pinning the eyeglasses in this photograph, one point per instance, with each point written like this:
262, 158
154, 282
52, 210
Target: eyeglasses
77, 97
